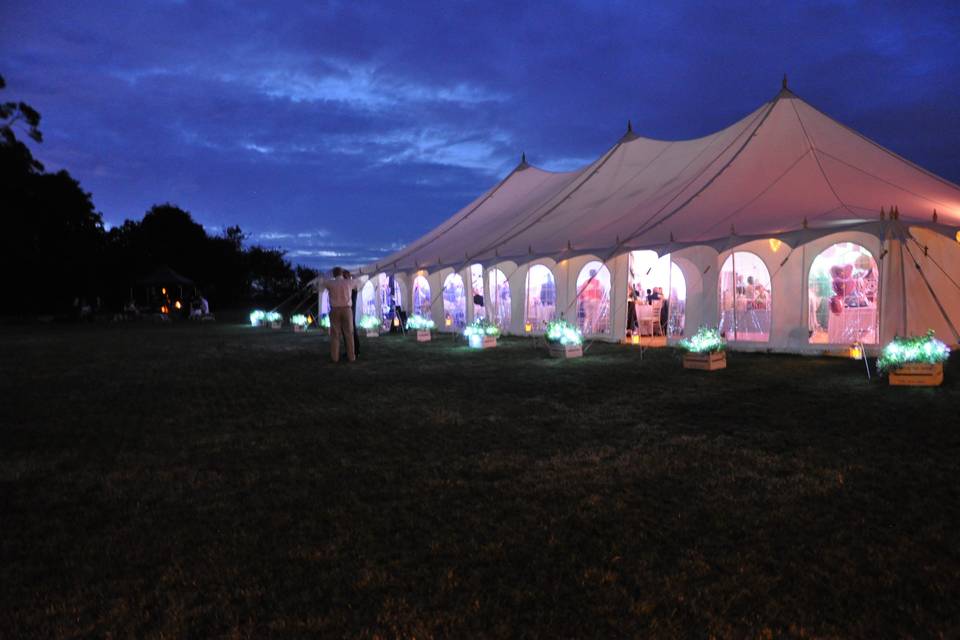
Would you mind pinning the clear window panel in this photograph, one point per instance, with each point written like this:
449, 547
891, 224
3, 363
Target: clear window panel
499, 298
476, 282
656, 294
421, 297
593, 299
745, 298
368, 301
844, 296
454, 302
541, 296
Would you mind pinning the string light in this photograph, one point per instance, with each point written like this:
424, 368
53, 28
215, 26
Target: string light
481, 327
370, 323
705, 340
563, 333
325, 321
419, 323
274, 316
300, 320
913, 350
257, 316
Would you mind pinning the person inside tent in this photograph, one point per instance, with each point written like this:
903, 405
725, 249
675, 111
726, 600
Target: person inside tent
592, 296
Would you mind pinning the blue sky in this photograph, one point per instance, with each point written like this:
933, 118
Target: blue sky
340, 131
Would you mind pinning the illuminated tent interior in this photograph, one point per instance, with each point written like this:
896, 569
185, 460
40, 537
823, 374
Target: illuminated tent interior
787, 230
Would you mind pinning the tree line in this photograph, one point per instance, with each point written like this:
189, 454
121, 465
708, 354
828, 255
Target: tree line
56, 251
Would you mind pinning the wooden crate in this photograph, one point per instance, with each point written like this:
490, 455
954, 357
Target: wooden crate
705, 361
423, 335
299, 328
917, 375
566, 351
482, 342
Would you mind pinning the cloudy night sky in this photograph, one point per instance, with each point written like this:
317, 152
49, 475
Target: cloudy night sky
341, 131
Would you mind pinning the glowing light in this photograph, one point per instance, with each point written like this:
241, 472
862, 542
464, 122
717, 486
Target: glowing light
481, 327
448, 321
164, 309
274, 316
300, 320
370, 323
396, 321
958, 236
562, 332
635, 339
705, 340
856, 352
325, 321
419, 323
775, 244
914, 350
475, 341
309, 319
256, 317
528, 326
176, 304
163, 290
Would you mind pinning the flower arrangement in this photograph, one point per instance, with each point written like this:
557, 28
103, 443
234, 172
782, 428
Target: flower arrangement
300, 320
705, 340
370, 323
419, 323
274, 316
563, 333
325, 321
913, 350
481, 327
257, 316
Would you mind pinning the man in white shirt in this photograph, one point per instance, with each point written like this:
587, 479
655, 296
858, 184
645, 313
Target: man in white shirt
341, 323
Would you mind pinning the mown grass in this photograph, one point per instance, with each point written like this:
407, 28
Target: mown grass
223, 481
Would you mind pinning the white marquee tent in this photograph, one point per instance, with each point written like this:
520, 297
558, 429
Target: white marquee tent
788, 230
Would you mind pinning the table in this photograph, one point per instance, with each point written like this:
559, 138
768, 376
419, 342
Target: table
853, 324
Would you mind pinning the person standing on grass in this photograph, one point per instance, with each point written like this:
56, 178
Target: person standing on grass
353, 315
340, 321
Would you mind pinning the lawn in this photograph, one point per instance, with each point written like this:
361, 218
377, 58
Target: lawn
220, 480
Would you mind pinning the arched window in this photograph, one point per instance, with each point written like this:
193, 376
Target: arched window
368, 301
745, 298
324, 303
665, 281
476, 281
397, 290
421, 297
541, 295
844, 288
499, 298
593, 299
454, 302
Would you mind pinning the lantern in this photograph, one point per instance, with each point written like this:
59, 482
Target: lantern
177, 304
163, 290
396, 321
164, 309
528, 326
856, 352
635, 338
448, 321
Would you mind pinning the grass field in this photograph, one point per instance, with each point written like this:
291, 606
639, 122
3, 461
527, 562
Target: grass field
220, 480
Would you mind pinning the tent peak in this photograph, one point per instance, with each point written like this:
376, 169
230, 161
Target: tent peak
523, 162
629, 135
784, 88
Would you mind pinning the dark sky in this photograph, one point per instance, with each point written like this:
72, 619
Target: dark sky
341, 130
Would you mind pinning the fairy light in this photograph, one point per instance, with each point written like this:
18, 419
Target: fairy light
419, 323
913, 350
274, 316
563, 333
257, 316
370, 323
705, 340
481, 327
300, 320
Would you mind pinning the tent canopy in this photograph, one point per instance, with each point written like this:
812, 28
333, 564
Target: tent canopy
786, 170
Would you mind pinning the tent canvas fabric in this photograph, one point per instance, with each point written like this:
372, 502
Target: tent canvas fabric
785, 172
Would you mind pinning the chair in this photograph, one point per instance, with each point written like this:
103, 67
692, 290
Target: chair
655, 327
